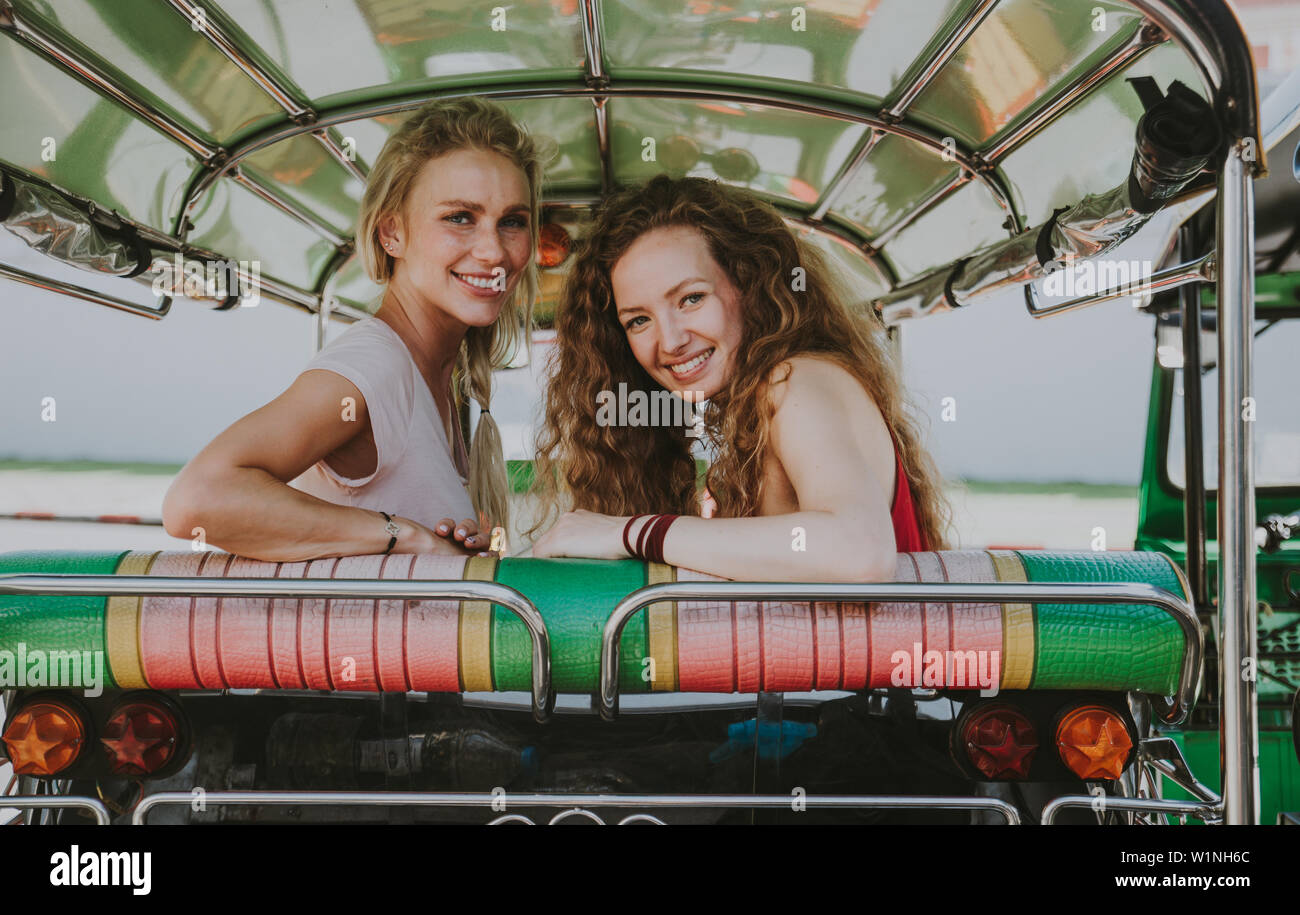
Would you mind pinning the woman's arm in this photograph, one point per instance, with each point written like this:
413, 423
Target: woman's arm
236, 489
830, 439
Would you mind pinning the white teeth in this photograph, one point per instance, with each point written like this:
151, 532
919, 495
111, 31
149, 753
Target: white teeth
691, 366
480, 282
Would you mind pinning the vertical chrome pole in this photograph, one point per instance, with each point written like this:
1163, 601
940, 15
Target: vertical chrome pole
1238, 719
322, 319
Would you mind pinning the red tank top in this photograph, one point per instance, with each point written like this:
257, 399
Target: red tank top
907, 532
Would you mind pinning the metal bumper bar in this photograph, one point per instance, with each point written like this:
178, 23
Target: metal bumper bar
1177, 708
572, 801
348, 588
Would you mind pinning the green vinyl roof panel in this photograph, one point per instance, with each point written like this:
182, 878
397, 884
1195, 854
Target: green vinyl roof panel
89, 145
347, 45
1108, 118
1022, 50
786, 155
863, 46
892, 178
152, 48
238, 224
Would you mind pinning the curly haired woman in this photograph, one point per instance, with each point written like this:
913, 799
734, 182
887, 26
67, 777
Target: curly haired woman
699, 289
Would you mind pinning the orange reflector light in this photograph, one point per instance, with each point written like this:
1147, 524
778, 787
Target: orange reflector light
999, 741
140, 738
44, 738
553, 244
1093, 742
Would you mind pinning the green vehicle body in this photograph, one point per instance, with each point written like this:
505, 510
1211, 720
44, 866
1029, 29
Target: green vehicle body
1162, 528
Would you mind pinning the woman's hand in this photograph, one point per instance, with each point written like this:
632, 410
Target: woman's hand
585, 535
466, 534
447, 538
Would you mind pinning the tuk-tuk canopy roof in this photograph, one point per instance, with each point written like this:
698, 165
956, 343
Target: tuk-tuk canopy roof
899, 135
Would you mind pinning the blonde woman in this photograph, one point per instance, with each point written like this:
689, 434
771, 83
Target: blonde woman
700, 290
363, 453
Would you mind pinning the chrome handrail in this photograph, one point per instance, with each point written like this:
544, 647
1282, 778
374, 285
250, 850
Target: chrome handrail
346, 588
36, 802
499, 801
1107, 804
1201, 270
908, 592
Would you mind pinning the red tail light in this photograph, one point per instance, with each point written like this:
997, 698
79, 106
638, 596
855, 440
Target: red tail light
999, 741
45, 737
140, 737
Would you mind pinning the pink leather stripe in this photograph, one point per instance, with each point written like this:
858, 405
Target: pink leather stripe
706, 657
937, 630
243, 655
787, 647
895, 627
433, 629
165, 627
351, 631
749, 656
856, 646
826, 645
286, 660
311, 629
389, 620
976, 627
204, 621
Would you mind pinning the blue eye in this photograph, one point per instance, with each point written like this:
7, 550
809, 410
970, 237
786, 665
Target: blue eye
694, 295
632, 323
454, 216
517, 222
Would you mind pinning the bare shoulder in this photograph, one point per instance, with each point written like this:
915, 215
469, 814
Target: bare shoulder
805, 381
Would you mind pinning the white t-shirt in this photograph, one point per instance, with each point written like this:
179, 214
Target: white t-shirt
416, 476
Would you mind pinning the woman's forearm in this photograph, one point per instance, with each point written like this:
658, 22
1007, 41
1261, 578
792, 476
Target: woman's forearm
803, 546
247, 511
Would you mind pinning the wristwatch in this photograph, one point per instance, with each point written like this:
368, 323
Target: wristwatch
392, 530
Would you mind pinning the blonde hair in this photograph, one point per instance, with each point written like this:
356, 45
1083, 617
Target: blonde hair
440, 127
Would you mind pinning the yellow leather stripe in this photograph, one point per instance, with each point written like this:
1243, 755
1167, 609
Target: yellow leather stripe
662, 623
1017, 625
122, 626
476, 629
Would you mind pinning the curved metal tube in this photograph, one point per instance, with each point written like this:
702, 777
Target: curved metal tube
36, 802
356, 588
907, 592
493, 801
772, 98
1207, 812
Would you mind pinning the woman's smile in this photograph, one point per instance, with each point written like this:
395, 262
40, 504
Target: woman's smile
484, 285
679, 310
692, 367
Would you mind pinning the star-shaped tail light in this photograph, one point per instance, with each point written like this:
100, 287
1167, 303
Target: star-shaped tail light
44, 737
140, 738
1093, 742
998, 740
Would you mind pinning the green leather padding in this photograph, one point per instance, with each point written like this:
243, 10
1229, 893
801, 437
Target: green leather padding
1106, 646
56, 623
575, 597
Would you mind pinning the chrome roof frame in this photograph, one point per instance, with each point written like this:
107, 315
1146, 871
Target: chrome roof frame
982, 165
